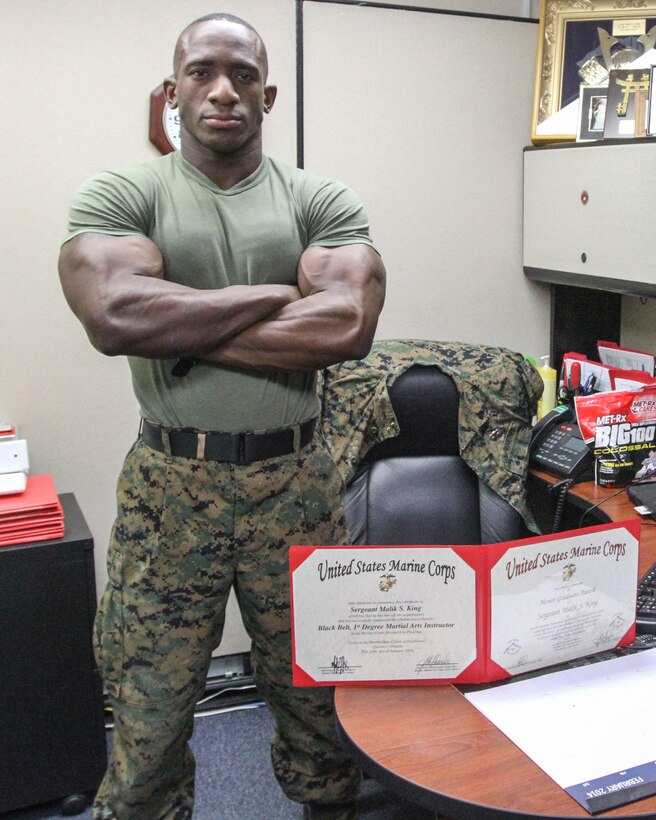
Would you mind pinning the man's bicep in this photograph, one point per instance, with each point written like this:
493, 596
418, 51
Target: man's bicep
89, 259
347, 284
94, 267
357, 266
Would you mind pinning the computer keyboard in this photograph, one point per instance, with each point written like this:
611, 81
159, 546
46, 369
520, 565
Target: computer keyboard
646, 604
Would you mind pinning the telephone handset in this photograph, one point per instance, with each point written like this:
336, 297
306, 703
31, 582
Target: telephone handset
557, 445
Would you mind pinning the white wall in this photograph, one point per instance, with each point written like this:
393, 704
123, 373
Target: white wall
430, 128
78, 78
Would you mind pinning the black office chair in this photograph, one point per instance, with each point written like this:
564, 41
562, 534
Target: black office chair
415, 488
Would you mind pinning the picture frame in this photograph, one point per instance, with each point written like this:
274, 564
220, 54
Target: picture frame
581, 41
592, 112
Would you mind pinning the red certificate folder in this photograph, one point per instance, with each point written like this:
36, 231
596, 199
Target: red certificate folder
461, 614
33, 515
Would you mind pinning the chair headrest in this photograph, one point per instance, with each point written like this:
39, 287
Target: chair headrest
425, 403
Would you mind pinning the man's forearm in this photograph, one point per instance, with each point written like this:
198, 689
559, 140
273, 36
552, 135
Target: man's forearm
310, 334
343, 292
165, 323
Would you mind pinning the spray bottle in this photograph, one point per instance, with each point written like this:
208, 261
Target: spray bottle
549, 377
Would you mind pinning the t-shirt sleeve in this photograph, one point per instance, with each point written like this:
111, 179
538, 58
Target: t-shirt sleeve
109, 204
336, 217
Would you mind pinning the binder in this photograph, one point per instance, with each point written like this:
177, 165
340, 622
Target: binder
33, 515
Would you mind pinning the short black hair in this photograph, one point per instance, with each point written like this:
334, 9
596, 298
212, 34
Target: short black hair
228, 18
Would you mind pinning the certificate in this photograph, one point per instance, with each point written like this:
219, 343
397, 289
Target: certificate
384, 613
555, 601
465, 614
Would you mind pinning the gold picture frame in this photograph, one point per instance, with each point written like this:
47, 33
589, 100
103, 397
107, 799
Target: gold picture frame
580, 41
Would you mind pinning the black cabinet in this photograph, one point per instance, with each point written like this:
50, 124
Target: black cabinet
52, 737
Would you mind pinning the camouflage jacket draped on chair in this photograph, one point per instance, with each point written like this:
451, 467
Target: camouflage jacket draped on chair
498, 392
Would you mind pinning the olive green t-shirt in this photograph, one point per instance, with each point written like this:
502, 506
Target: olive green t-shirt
251, 234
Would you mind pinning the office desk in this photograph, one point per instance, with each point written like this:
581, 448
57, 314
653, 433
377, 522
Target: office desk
430, 745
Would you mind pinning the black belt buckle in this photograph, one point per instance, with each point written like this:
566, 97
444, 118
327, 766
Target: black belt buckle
254, 447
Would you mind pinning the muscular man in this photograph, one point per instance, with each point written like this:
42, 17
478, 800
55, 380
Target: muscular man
254, 275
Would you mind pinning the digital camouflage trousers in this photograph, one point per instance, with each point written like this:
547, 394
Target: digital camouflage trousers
187, 532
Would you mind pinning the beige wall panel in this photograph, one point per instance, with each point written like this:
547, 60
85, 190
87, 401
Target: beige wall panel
425, 116
514, 8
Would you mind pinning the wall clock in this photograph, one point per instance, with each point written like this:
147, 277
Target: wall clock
164, 126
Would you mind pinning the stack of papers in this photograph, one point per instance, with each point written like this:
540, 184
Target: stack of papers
33, 515
590, 728
618, 368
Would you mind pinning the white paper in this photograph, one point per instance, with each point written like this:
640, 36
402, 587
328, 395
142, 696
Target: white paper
627, 384
627, 359
580, 724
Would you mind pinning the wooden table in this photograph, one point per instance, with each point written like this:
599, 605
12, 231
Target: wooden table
431, 746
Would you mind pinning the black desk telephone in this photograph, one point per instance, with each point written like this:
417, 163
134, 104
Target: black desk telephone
557, 445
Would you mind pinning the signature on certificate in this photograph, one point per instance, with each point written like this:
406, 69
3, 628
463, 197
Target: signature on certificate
339, 665
433, 662
603, 639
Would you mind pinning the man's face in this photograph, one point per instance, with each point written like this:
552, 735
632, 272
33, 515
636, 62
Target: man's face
220, 89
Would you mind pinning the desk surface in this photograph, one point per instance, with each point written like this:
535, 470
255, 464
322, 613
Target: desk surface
429, 744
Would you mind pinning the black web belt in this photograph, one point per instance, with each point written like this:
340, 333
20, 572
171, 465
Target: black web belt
241, 448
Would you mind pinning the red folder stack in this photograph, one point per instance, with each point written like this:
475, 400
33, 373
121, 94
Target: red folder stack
33, 515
